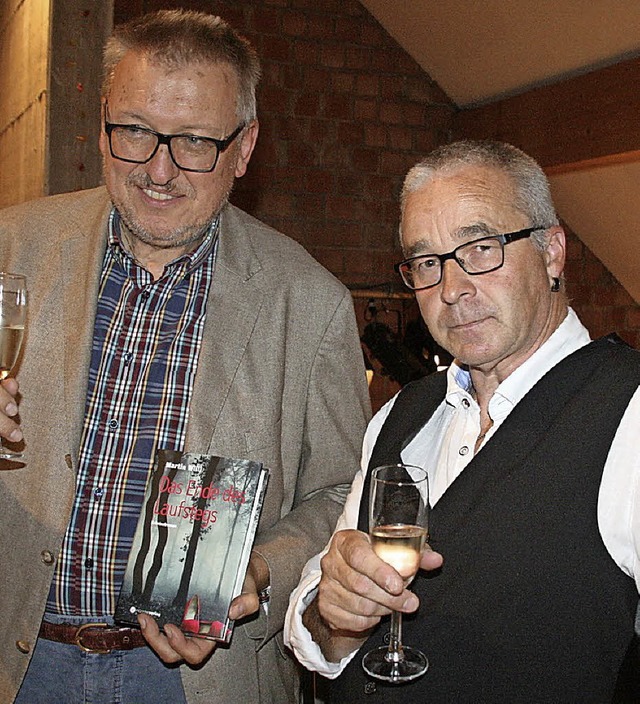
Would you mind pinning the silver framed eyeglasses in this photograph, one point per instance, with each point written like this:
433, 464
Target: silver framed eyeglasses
189, 152
476, 257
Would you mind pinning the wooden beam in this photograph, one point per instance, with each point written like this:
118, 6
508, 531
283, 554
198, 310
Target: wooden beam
583, 118
78, 32
590, 164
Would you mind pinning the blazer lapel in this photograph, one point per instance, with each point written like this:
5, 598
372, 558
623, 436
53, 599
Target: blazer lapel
80, 291
233, 307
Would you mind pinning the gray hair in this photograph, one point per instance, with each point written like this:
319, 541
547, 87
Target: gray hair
176, 38
532, 193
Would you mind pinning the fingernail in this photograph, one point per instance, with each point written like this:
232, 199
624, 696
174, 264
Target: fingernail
411, 603
16, 435
11, 409
142, 620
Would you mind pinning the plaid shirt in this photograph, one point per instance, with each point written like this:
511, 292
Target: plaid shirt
146, 343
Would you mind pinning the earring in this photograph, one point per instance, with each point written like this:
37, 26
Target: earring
555, 284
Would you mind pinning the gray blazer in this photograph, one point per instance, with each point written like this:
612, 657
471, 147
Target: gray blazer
280, 379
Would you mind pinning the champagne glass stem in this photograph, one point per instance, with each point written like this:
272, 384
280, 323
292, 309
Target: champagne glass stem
395, 638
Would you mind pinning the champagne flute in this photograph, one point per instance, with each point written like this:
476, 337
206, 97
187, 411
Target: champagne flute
398, 514
13, 313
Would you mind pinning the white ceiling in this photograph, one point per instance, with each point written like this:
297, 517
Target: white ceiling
480, 51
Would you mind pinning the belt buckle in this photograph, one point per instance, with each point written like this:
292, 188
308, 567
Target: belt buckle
78, 638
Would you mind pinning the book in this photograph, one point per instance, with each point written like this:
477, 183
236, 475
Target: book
191, 547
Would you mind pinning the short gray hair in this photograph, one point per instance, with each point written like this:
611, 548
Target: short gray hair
532, 193
176, 38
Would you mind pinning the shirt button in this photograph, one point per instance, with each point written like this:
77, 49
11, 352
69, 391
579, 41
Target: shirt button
465, 402
47, 557
463, 450
88, 563
113, 424
126, 357
145, 295
98, 493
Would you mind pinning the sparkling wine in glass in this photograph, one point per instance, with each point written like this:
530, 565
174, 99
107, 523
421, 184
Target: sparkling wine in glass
13, 314
398, 523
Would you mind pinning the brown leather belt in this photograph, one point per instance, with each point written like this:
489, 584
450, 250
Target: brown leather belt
93, 637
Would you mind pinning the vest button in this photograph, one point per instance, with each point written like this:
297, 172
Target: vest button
47, 557
370, 688
23, 646
386, 638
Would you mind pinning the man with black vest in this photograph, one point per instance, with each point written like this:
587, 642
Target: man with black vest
530, 443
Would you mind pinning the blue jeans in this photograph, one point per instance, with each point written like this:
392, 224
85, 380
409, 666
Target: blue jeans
65, 674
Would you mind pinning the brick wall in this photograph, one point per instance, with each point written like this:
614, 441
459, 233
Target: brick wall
603, 305
344, 113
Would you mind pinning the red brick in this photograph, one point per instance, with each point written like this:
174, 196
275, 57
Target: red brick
303, 153
356, 57
349, 29
392, 87
378, 186
273, 98
351, 183
332, 55
367, 84
375, 135
294, 23
336, 156
350, 133
396, 163
365, 109
366, 160
318, 131
374, 35
320, 26
338, 107
400, 138
289, 179
306, 52
319, 180
277, 48
310, 205
318, 79
266, 20
392, 113
343, 208
343, 82
425, 141
307, 105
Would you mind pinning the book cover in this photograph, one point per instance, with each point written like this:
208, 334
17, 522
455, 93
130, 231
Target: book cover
192, 544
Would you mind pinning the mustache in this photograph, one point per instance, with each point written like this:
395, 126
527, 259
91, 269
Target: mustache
145, 181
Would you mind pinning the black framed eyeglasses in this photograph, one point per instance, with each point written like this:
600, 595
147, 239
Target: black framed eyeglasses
189, 152
479, 256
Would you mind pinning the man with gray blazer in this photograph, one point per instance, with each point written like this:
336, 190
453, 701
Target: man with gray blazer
160, 316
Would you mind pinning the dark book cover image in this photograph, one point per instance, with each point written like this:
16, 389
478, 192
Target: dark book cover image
191, 548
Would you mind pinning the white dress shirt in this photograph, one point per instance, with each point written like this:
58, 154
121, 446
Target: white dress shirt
449, 437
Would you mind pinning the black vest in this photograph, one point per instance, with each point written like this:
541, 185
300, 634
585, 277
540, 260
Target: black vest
528, 606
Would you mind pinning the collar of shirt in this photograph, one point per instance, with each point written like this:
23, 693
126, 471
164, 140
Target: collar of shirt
189, 261
445, 444
569, 336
